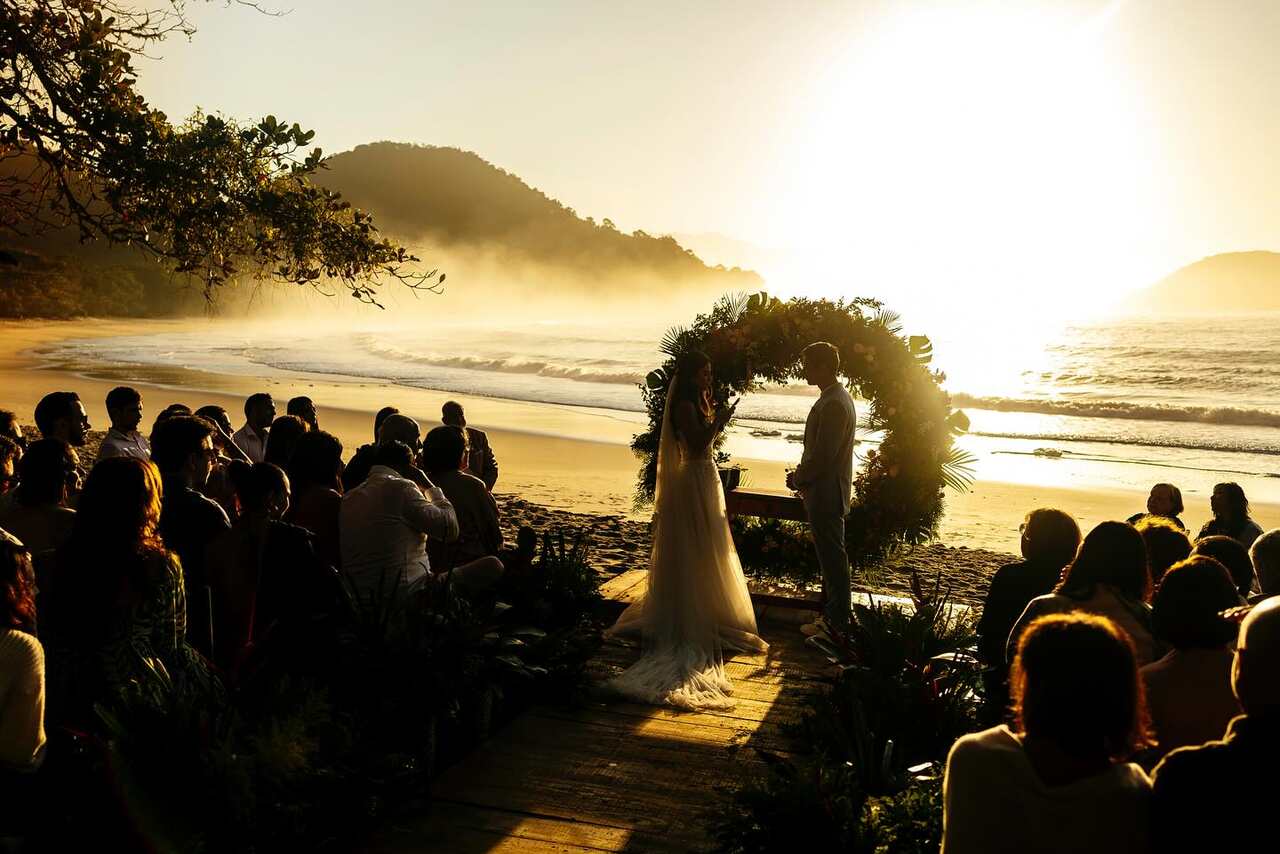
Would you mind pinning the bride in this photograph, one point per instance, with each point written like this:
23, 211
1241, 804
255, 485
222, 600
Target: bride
697, 603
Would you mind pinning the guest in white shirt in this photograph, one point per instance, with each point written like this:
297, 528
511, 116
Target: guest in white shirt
1058, 781
384, 523
124, 406
259, 412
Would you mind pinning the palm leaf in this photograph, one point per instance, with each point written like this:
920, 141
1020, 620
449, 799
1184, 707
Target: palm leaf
735, 304
672, 343
957, 469
891, 321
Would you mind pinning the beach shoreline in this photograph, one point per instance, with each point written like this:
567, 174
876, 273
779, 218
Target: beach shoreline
565, 459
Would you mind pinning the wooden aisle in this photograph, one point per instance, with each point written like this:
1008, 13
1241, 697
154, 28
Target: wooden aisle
616, 776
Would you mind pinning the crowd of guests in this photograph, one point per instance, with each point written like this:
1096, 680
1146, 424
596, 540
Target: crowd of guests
206, 551
1133, 677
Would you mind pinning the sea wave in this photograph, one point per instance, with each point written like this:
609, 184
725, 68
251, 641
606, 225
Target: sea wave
607, 371
1226, 415
1139, 441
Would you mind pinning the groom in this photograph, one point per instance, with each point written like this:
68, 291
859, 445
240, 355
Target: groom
824, 478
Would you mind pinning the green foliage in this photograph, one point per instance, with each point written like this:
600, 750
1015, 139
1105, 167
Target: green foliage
904, 692
35, 286
286, 764
214, 198
907, 687
775, 549
898, 493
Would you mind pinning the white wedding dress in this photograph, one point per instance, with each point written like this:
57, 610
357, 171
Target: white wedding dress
697, 605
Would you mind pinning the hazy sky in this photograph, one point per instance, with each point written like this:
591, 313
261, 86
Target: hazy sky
957, 149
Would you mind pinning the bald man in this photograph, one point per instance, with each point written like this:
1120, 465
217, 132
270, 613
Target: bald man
1221, 796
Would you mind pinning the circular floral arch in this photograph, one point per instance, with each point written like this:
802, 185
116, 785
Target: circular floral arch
898, 493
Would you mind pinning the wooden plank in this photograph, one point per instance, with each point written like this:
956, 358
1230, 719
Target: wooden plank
614, 775
769, 503
627, 587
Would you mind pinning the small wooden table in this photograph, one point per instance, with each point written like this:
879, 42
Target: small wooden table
769, 503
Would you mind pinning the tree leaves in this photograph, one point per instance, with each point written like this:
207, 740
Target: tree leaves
80, 147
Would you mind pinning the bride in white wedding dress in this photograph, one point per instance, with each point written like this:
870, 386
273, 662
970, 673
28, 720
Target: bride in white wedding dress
697, 605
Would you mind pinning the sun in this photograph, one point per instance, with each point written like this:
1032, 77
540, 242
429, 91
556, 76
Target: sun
988, 148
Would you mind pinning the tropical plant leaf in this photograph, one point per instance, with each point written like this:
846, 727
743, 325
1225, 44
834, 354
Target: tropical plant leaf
672, 343
921, 348
957, 469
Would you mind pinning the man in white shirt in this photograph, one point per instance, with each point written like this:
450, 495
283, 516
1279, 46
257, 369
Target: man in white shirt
384, 524
124, 406
259, 412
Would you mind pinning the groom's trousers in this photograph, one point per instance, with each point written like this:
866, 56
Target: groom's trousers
828, 540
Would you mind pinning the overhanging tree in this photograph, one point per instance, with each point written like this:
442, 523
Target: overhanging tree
80, 147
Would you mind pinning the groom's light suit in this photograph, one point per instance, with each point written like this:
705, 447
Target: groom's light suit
825, 480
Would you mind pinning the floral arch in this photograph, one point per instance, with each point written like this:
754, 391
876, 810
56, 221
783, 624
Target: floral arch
898, 492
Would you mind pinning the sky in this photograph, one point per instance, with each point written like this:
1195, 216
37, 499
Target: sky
963, 154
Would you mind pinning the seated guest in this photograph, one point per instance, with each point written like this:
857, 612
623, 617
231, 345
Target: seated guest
1164, 502
1264, 554
182, 448
124, 408
1166, 544
480, 460
1189, 690
219, 487
10, 457
1230, 515
1233, 556
266, 578
315, 473
479, 533
259, 412
22, 739
282, 438
1057, 781
358, 466
222, 437
384, 524
120, 601
1109, 578
304, 409
1049, 541
1215, 797
61, 415
11, 429
40, 515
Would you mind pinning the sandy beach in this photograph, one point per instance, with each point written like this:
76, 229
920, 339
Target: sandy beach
559, 465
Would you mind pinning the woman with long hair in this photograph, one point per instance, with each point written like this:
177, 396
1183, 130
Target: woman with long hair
22, 737
315, 475
1059, 779
1109, 577
119, 606
1189, 690
1231, 516
697, 604
40, 515
270, 590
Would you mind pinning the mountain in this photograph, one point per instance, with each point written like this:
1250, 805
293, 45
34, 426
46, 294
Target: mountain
495, 236
1232, 281
455, 200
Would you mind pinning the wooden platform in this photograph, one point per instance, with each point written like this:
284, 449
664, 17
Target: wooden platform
617, 776
771, 503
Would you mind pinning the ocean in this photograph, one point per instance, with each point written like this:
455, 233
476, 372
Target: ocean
1120, 403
